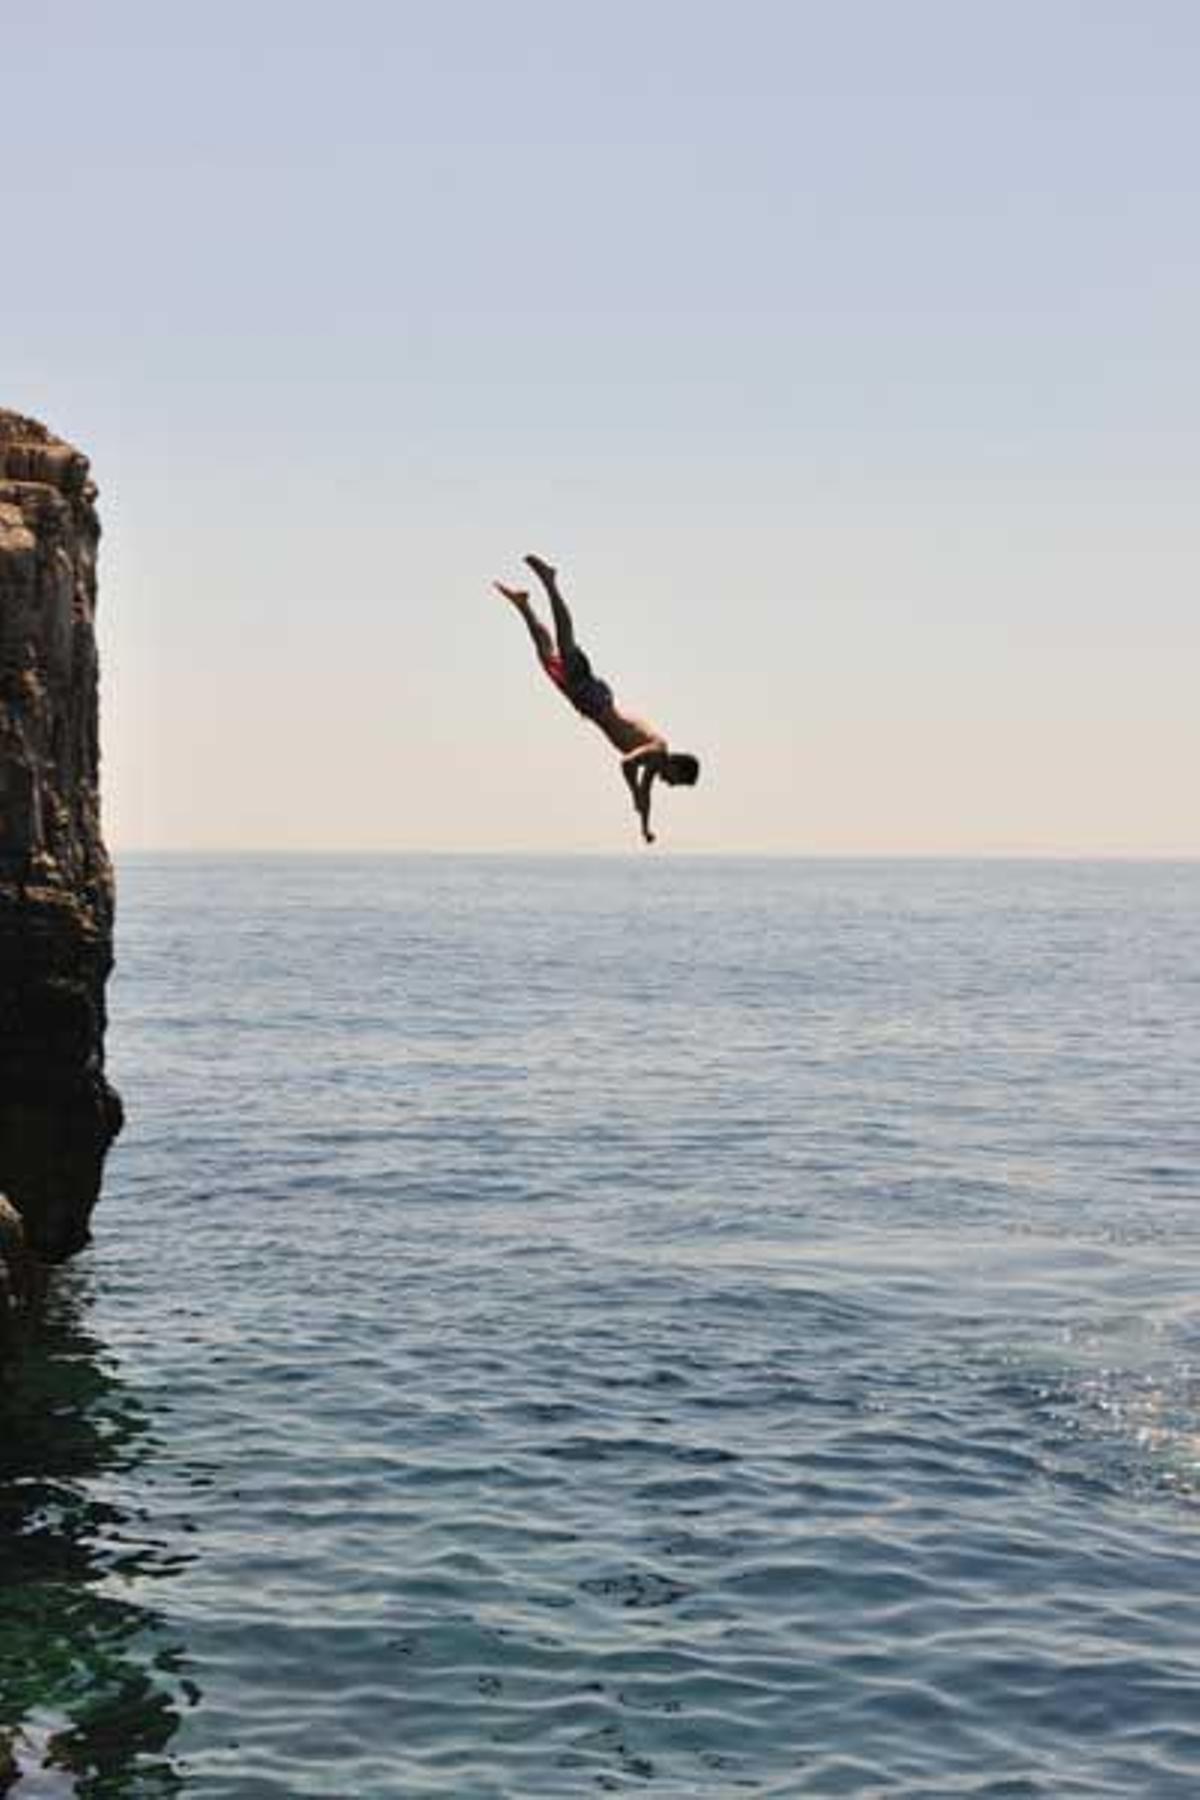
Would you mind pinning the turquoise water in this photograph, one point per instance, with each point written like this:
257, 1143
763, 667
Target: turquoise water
675, 1327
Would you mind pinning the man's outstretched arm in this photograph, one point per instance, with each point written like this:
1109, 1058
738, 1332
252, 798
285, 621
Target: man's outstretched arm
639, 781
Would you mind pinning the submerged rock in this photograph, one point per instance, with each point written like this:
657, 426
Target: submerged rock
58, 1114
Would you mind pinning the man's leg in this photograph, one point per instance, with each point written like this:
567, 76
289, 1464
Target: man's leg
564, 628
520, 599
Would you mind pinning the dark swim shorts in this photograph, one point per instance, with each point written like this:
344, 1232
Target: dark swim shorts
585, 690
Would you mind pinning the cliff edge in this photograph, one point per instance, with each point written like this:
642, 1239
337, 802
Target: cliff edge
58, 1114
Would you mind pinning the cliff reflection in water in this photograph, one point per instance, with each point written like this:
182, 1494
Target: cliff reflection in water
90, 1685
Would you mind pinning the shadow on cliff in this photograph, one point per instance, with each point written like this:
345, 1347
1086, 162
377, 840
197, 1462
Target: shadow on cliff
91, 1686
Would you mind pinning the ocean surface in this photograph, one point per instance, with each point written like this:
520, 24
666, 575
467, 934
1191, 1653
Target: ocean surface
653, 1326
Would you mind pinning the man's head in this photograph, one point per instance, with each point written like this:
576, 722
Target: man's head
680, 770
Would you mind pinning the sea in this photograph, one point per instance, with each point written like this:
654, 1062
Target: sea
648, 1325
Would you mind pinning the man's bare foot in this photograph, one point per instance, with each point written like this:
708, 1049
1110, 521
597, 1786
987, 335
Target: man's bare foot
518, 596
541, 568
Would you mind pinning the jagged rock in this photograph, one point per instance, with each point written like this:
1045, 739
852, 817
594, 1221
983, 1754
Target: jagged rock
57, 1112
16, 1283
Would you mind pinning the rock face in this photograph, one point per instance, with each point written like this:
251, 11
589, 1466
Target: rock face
58, 1114
15, 1287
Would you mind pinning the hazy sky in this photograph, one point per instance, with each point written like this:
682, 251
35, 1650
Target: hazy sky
844, 355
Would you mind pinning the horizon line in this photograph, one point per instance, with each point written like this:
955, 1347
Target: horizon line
813, 855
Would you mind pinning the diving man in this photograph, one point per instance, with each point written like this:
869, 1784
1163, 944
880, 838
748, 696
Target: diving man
645, 754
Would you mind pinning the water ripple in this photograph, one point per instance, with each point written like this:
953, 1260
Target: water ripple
767, 1365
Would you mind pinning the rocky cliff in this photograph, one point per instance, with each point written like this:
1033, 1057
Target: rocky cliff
57, 1111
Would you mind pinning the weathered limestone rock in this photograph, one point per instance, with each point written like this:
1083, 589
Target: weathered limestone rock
57, 1111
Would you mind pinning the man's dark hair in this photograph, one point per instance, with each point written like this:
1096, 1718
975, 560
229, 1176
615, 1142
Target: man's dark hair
681, 770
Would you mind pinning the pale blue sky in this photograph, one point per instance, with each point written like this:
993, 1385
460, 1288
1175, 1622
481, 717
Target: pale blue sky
843, 355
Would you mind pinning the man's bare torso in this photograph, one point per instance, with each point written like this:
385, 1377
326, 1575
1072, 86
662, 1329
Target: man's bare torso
625, 732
